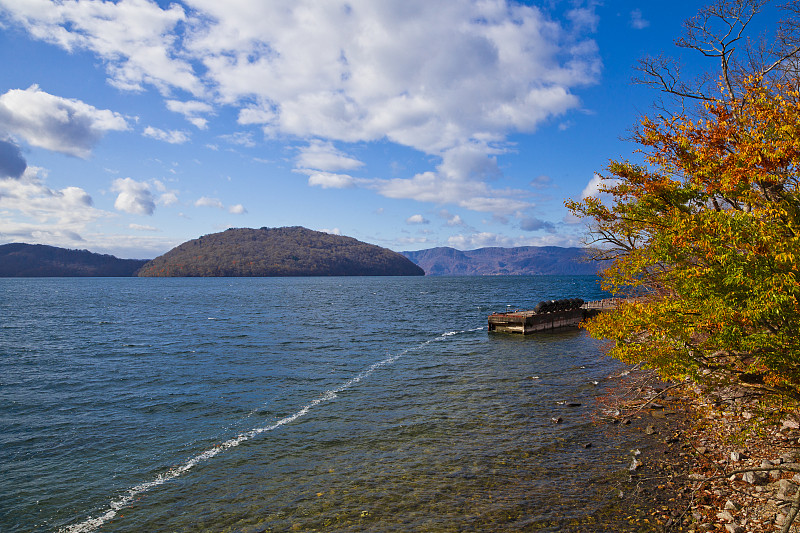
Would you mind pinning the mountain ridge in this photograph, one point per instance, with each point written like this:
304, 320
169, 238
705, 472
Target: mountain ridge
39, 260
498, 261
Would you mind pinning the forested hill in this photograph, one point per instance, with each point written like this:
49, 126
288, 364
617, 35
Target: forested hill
39, 260
524, 260
293, 251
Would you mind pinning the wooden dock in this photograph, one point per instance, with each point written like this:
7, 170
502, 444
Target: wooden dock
549, 317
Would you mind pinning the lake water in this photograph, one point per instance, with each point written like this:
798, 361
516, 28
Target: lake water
277, 404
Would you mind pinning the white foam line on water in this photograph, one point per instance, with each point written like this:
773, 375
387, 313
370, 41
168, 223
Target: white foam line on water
91, 524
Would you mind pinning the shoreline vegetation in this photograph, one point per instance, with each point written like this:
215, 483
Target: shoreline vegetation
702, 231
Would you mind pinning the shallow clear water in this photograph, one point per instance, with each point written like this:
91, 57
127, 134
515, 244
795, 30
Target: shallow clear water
270, 404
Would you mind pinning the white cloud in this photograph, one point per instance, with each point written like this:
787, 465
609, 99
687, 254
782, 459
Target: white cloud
329, 180
216, 203
334, 231
59, 124
637, 21
451, 219
478, 240
168, 198
191, 110
403, 241
240, 137
134, 197
171, 136
417, 219
256, 115
319, 155
136, 38
487, 239
205, 201
455, 220
32, 212
140, 227
584, 18
436, 77
29, 195
460, 179
592, 188
409, 71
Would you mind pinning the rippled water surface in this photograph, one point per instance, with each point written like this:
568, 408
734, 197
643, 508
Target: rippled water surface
277, 404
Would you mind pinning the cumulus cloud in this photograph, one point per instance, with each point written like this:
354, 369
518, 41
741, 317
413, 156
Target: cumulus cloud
439, 78
329, 180
59, 124
216, 203
451, 219
168, 198
31, 211
593, 188
12, 164
134, 197
191, 110
408, 71
637, 21
320, 155
332, 231
205, 201
171, 136
417, 219
460, 179
137, 39
256, 115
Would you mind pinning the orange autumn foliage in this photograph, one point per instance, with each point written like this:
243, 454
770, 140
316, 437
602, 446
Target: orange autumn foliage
706, 235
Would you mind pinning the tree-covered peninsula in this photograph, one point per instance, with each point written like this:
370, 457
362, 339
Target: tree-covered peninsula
292, 251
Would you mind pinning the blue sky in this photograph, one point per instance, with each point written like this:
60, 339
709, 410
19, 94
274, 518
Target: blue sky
131, 127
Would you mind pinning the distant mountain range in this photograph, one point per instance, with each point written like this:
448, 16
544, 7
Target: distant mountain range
293, 252
39, 260
524, 260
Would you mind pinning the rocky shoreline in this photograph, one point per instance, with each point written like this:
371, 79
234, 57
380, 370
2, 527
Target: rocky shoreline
709, 465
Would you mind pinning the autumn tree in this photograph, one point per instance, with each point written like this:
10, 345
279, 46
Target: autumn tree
704, 229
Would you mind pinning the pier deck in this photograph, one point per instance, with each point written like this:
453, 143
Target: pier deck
527, 322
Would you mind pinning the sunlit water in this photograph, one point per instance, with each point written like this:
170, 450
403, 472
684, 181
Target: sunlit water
277, 404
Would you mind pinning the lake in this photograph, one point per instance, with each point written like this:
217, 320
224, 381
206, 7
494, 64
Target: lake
277, 404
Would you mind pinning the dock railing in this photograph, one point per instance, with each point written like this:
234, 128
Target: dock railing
603, 305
